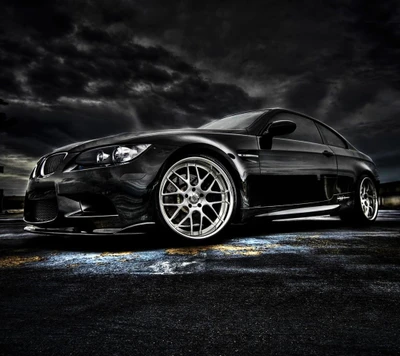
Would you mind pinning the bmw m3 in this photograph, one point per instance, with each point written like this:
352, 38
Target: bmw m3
274, 163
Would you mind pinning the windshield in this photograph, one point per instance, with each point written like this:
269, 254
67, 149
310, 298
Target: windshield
234, 122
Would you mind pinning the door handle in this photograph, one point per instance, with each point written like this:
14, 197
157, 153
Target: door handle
327, 153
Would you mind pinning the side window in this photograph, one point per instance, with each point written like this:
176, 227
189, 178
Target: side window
305, 128
331, 138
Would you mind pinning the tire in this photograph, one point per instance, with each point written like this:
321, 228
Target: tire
365, 209
196, 198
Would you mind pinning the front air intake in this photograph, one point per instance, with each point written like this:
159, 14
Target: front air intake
45, 210
51, 163
38, 211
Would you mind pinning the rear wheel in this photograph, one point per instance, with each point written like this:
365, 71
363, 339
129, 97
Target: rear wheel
196, 197
365, 202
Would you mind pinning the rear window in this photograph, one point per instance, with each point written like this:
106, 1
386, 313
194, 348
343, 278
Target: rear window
331, 138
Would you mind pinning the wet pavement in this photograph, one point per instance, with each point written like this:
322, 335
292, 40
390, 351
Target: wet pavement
302, 286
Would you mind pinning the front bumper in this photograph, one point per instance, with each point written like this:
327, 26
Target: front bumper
98, 198
140, 228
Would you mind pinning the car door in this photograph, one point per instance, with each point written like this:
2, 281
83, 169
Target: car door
297, 168
345, 160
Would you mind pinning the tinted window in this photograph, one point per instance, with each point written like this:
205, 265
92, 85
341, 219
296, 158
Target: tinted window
331, 138
234, 122
305, 128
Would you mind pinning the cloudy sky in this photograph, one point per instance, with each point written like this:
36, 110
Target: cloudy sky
75, 70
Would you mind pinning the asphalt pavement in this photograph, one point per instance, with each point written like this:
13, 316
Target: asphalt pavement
295, 287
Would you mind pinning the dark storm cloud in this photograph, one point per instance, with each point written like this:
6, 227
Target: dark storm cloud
119, 70
93, 35
356, 94
377, 22
9, 83
39, 18
58, 130
51, 79
304, 94
73, 70
94, 84
16, 53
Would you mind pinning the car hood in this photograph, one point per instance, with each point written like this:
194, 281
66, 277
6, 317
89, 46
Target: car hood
142, 137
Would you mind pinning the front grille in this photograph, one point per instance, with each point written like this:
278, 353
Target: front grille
51, 163
43, 210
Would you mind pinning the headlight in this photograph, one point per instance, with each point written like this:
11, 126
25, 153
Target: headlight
101, 157
111, 155
125, 154
33, 174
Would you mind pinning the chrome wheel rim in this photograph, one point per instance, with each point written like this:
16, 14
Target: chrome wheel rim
196, 197
368, 198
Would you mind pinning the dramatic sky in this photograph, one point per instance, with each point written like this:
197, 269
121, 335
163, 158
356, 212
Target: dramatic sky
75, 70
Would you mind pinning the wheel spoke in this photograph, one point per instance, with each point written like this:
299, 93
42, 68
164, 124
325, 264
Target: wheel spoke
204, 178
175, 213
191, 223
198, 175
188, 174
201, 222
171, 193
217, 192
218, 202
212, 222
184, 219
179, 176
215, 212
177, 188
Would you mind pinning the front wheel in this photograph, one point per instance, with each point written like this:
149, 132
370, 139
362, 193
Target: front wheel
366, 204
196, 197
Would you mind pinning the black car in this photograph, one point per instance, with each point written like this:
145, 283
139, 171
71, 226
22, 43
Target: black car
275, 163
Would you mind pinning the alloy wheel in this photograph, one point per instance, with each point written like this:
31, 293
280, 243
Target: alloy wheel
196, 197
368, 198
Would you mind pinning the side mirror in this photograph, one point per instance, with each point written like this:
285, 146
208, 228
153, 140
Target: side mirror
281, 127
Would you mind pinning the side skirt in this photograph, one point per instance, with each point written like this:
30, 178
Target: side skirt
302, 211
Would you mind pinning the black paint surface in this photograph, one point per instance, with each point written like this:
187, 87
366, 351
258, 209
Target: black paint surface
284, 174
